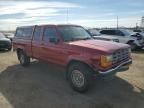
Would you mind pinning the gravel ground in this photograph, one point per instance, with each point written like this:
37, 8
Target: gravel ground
43, 85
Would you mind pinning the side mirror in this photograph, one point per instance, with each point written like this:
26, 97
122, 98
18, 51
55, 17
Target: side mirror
53, 40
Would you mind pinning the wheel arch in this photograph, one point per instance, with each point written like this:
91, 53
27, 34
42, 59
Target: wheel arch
76, 61
18, 50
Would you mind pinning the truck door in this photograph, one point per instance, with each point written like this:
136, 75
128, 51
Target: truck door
36, 42
51, 48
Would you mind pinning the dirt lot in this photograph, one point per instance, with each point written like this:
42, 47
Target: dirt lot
44, 86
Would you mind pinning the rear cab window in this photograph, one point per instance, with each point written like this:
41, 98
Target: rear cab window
24, 32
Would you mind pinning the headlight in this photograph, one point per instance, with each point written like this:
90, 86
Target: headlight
106, 61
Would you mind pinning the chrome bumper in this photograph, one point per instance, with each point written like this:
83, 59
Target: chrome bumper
124, 65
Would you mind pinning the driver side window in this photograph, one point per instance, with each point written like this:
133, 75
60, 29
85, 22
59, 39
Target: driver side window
49, 32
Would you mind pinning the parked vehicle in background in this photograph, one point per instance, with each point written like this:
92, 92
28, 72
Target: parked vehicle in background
9, 35
5, 43
126, 36
137, 30
93, 32
139, 34
73, 48
142, 34
97, 35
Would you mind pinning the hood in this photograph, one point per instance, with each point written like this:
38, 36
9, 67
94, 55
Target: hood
103, 46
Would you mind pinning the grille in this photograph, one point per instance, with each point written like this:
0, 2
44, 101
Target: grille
120, 55
4, 43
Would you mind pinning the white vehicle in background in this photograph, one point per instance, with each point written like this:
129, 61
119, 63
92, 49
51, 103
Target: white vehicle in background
96, 35
9, 35
126, 36
5, 43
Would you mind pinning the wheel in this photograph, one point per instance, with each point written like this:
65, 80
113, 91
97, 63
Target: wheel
79, 76
133, 46
9, 49
24, 59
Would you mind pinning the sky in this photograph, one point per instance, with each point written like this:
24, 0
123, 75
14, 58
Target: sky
88, 13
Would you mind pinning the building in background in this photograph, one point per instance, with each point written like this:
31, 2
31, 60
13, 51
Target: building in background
142, 21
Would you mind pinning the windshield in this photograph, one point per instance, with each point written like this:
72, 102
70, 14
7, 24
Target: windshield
127, 32
73, 33
2, 35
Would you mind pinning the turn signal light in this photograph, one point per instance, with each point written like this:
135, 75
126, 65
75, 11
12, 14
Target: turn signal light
105, 61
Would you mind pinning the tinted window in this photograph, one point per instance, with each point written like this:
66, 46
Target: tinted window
24, 32
102, 32
119, 33
108, 32
49, 33
27, 32
37, 33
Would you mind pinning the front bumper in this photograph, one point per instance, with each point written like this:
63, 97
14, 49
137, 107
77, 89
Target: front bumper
122, 67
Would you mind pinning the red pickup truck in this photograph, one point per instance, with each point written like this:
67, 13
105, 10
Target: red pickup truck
73, 48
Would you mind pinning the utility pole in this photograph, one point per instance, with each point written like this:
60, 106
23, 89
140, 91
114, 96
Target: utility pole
117, 22
67, 16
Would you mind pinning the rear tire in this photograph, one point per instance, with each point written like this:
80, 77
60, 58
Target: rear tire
23, 58
79, 76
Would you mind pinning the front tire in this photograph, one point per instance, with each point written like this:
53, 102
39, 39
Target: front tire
23, 58
9, 49
79, 76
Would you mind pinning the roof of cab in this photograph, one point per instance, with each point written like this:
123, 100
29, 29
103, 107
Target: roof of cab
49, 25
25, 26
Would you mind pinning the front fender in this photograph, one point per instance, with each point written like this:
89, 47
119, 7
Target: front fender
82, 58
